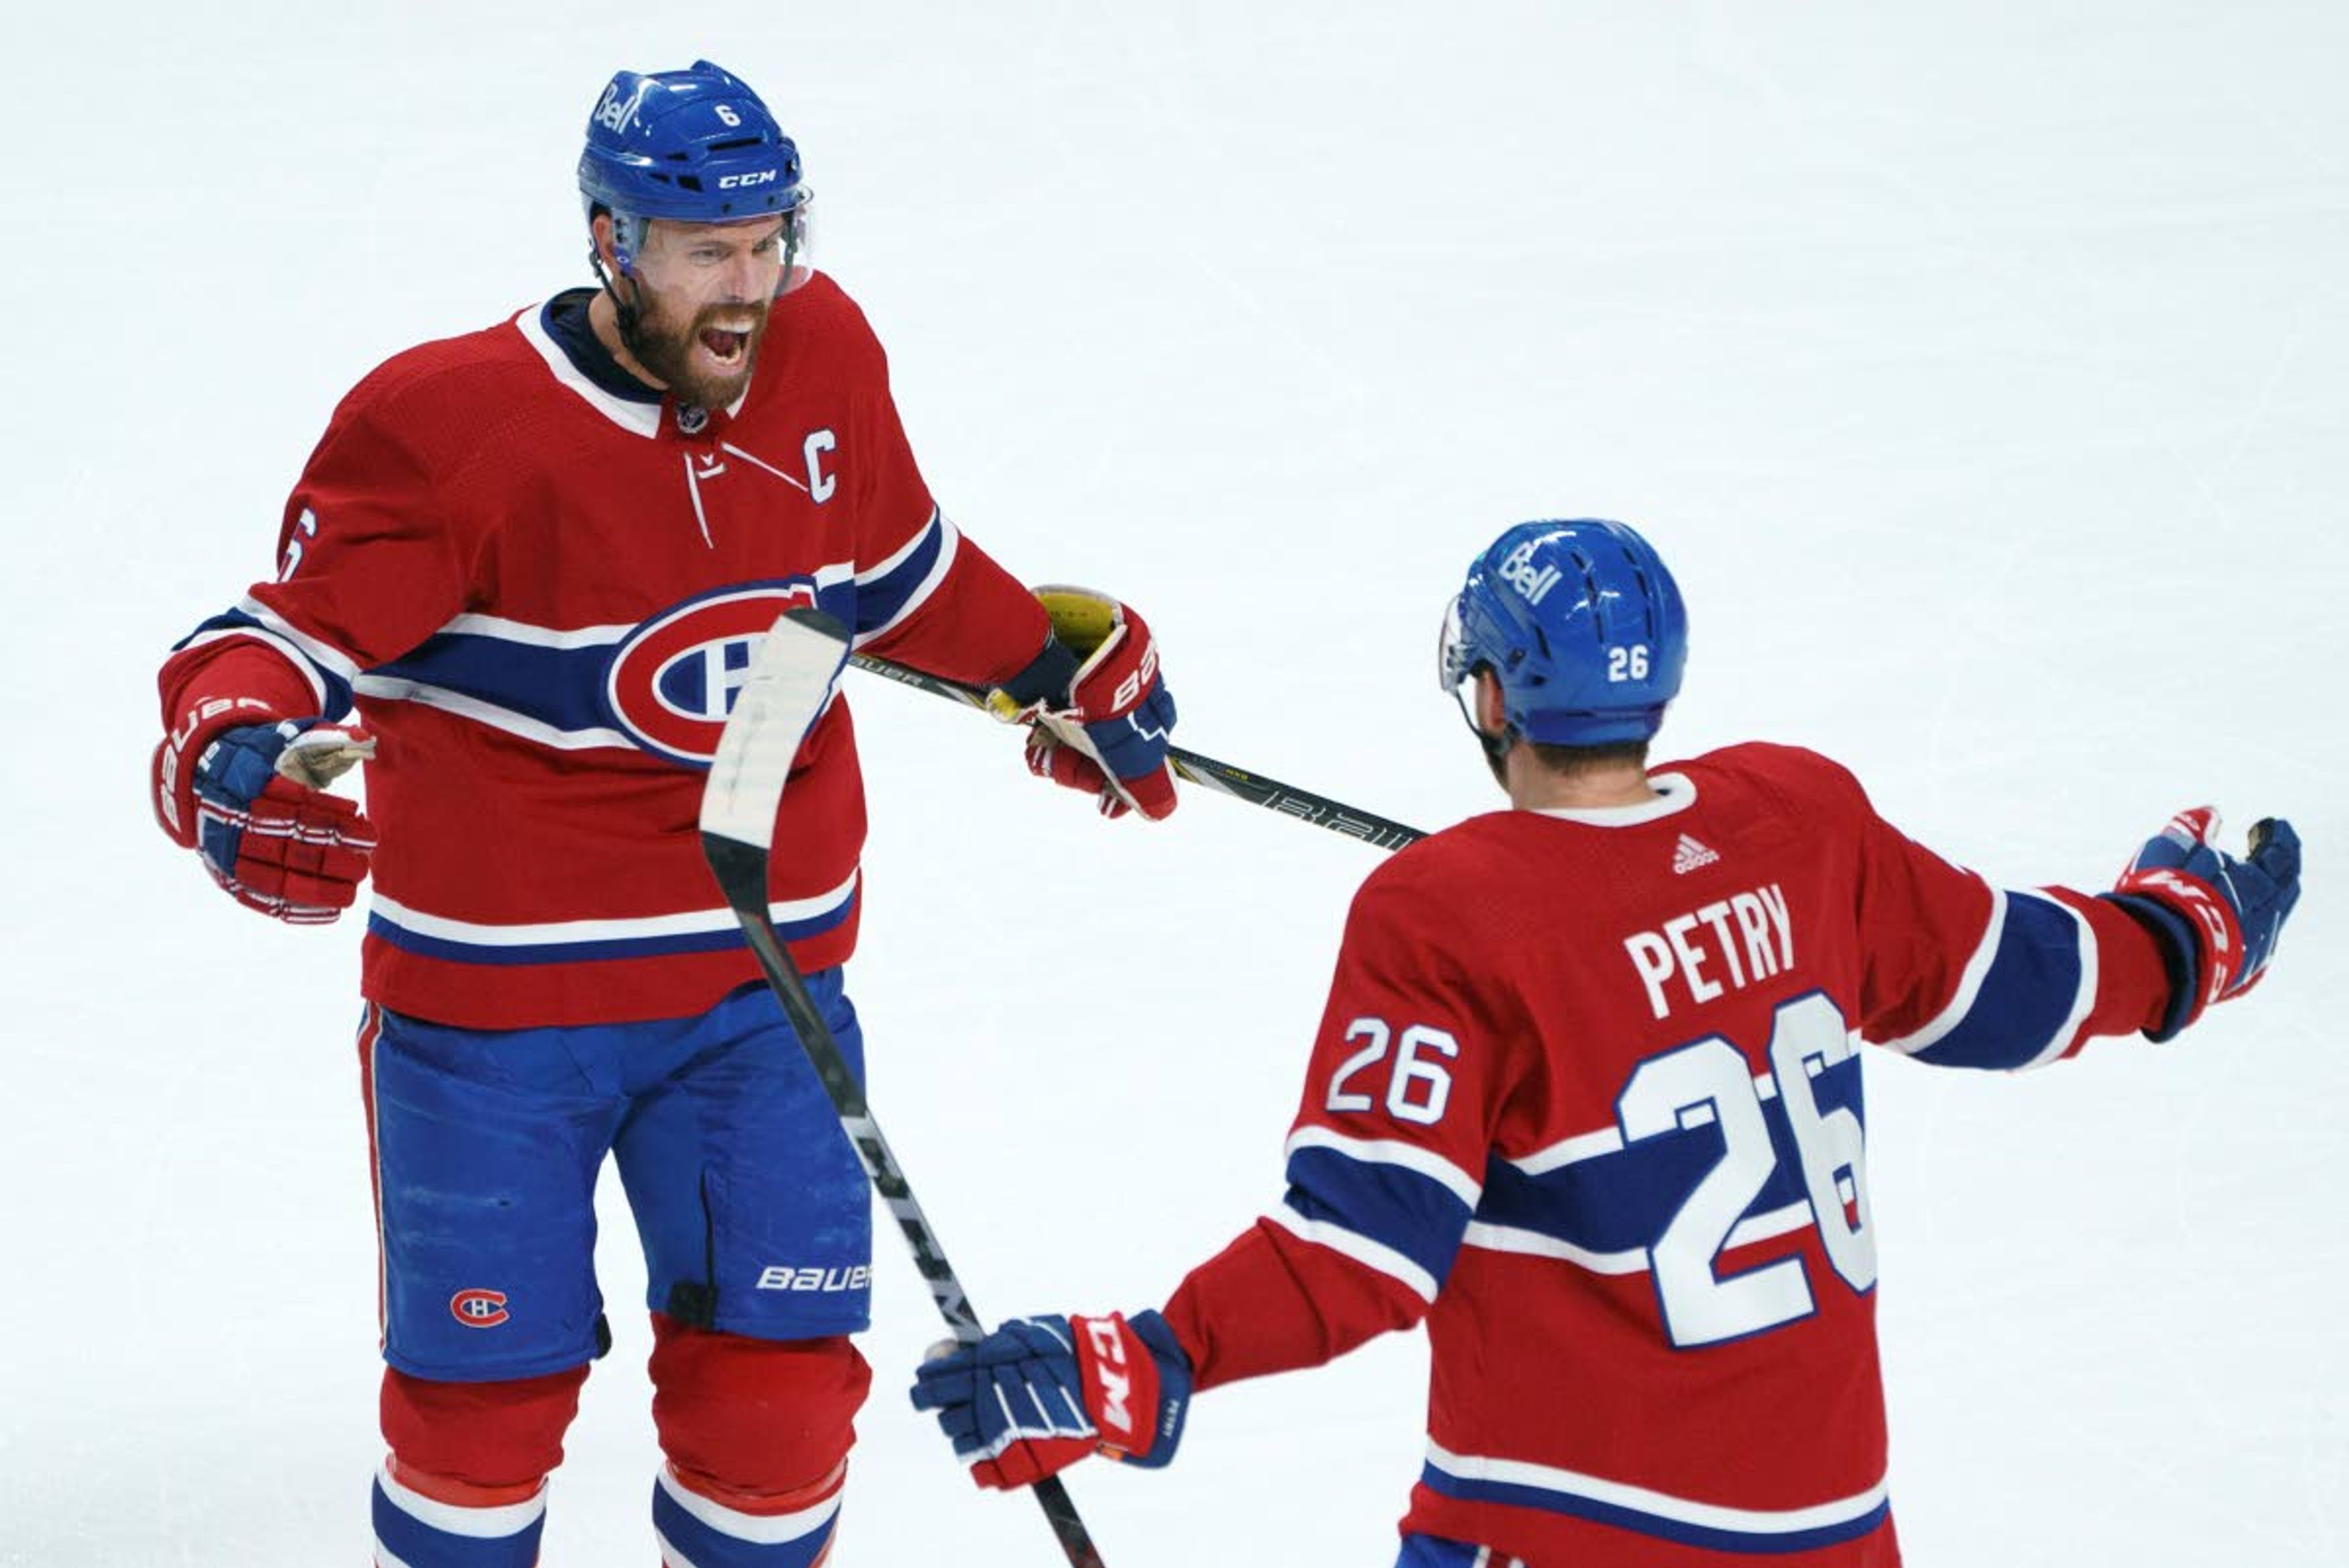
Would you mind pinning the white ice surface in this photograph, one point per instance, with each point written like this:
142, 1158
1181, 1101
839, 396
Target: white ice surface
1980, 367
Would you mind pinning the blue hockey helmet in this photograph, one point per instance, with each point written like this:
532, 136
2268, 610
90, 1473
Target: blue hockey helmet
696, 146
1582, 626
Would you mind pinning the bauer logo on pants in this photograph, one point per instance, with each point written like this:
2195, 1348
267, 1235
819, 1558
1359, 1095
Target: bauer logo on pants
478, 1308
785, 1277
674, 678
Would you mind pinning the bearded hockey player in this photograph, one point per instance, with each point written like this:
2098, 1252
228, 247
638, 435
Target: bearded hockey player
1586, 1101
533, 562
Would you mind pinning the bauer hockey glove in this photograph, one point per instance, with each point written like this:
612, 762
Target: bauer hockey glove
2216, 918
1042, 1393
253, 806
1101, 715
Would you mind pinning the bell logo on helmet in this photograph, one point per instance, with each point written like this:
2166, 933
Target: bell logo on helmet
1520, 572
618, 113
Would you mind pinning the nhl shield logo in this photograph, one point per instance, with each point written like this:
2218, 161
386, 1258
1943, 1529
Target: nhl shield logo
674, 678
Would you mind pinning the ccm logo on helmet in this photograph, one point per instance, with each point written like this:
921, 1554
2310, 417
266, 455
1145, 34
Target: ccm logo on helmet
674, 678
478, 1308
734, 182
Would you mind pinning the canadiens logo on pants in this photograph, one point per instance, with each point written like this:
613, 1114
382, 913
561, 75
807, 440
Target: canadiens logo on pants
479, 1309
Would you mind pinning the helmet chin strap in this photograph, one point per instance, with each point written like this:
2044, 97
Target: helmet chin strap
1495, 747
625, 311
1496, 750
625, 234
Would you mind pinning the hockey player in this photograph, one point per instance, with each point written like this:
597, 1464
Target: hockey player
1586, 1100
535, 559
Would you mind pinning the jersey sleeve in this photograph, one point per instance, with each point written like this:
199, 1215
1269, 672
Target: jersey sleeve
1959, 972
374, 560
1385, 1161
926, 595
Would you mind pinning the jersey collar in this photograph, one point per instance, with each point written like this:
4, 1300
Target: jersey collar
559, 331
542, 329
1675, 794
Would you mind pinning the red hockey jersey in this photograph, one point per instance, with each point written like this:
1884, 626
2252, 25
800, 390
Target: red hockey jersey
542, 587
1587, 1099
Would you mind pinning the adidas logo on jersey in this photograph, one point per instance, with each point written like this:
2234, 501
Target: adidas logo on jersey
1688, 854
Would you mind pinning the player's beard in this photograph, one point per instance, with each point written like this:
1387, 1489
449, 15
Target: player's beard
667, 350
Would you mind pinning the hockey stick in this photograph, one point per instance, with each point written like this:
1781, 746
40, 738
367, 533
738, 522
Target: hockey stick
1378, 832
784, 692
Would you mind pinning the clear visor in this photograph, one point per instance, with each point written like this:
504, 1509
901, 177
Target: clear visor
799, 225
795, 239
1451, 654
798, 241
1452, 662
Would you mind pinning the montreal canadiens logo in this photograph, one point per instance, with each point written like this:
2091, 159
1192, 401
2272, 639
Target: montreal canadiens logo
479, 1309
674, 677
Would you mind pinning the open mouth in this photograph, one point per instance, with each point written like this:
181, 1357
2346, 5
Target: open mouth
725, 347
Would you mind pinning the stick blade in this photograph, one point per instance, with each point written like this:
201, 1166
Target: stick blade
790, 680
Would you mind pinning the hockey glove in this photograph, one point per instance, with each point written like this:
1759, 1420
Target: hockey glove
2214, 917
253, 807
1101, 715
1042, 1393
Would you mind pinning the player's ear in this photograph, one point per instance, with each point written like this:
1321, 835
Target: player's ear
1492, 708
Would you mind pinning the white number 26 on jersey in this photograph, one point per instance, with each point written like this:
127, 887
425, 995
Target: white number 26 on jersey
1419, 1085
1707, 1081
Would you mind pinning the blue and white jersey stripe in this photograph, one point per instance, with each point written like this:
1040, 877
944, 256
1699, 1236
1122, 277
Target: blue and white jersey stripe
553, 685
712, 930
1390, 1205
1759, 1225
1600, 1203
1688, 1521
555, 735
541, 683
1348, 1242
2024, 993
891, 590
1591, 1200
330, 672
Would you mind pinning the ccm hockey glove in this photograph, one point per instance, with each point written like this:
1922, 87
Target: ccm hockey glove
253, 806
2214, 917
1042, 1393
1101, 715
